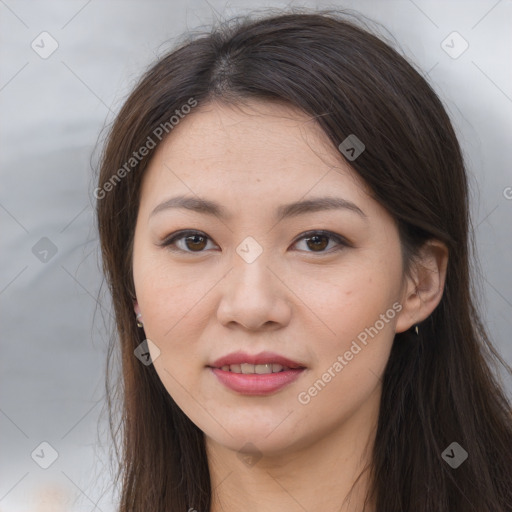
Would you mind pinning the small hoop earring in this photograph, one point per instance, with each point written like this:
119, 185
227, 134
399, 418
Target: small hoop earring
416, 329
139, 324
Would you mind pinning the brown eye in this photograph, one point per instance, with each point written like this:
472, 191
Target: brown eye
318, 241
191, 241
195, 242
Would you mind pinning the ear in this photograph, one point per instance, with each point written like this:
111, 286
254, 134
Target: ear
423, 290
136, 307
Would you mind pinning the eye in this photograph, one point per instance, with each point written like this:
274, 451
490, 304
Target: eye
319, 240
197, 241
194, 241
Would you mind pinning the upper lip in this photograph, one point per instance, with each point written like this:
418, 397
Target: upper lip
261, 358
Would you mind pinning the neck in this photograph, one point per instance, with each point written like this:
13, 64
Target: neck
330, 473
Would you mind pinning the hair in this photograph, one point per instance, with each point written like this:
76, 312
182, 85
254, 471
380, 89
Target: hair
439, 387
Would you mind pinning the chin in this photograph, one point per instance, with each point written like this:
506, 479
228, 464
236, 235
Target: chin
262, 440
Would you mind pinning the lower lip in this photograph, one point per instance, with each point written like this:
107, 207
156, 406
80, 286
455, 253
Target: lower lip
256, 384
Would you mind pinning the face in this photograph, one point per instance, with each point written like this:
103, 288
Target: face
309, 293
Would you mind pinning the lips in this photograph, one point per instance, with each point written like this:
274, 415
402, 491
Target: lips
259, 369
240, 362
259, 374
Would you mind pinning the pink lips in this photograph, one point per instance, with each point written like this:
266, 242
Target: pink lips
256, 384
262, 358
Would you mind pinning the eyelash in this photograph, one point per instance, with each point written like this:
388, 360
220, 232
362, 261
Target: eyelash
169, 241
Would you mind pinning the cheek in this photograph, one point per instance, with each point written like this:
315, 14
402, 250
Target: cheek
167, 292
176, 308
358, 310
351, 299
172, 306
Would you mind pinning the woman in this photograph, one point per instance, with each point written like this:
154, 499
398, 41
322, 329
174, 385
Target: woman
283, 214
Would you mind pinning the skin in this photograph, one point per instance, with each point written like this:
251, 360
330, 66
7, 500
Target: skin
304, 301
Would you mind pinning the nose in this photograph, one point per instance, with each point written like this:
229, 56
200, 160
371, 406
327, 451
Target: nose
254, 297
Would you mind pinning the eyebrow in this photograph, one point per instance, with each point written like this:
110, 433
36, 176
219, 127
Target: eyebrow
208, 207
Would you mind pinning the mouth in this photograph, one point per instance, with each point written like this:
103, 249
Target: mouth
262, 363
260, 374
259, 369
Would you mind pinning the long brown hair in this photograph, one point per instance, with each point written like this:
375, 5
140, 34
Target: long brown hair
439, 387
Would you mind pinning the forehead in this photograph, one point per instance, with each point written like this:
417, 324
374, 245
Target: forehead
260, 149
257, 129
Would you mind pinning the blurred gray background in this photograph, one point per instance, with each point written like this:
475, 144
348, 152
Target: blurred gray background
65, 69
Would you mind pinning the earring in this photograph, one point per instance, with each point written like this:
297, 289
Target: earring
139, 324
416, 329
